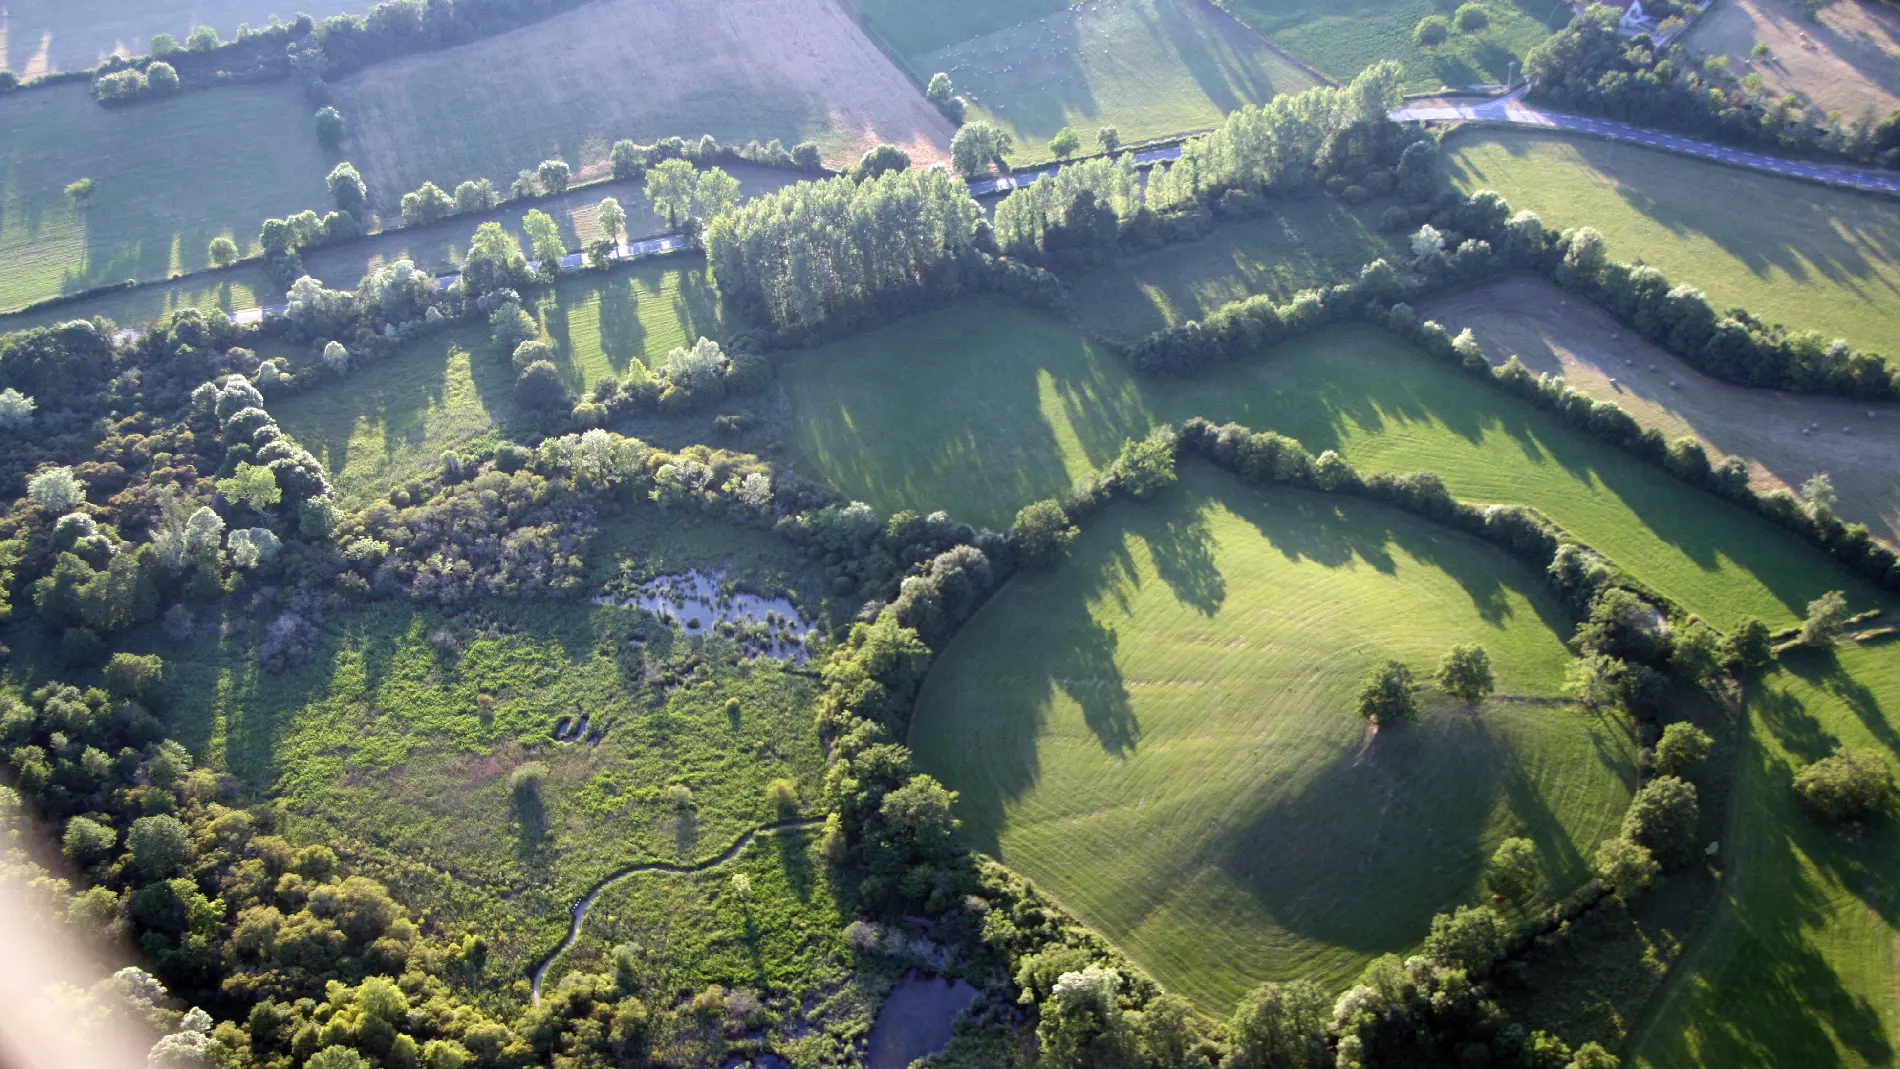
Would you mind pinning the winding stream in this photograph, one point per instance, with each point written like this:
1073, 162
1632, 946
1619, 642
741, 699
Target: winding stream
587, 902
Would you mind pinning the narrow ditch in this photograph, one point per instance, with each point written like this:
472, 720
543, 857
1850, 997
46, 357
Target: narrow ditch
580, 909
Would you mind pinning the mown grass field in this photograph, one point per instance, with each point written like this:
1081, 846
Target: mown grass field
1844, 57
1304, 243
251, 158
1798, 966
738, 69
1790, 252
392, 419
1343, 39
384, 737
915, 27
40, 37
1146, 67
985, 406
235, 290
1160, 733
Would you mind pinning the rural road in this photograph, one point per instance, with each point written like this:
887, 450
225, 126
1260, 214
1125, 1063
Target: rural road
1513, 110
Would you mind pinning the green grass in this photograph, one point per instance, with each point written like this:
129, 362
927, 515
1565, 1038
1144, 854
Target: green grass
1302, 244
247, 156
1343, 39
985, 406
1798, 967
785, 938
1146, 67
1788, 251
915, 27
1160, 733
235, 290
392, 419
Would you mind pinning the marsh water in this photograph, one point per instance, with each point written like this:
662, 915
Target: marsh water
915, 1021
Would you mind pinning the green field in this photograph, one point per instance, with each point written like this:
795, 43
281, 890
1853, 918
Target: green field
915, 27
41, 37
1788, 251
984, 406
251, 158
1146, 67
234, 290
1343, 39
1303, 243
1160, 734
392, 419
1798, 967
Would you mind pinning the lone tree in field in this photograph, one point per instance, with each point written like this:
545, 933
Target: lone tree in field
612, 218
329, 127
1681, 750
977, 146
1466, 673
1109, 138
346, 187
1431, 31
1065, 143
1470, 18
1388, 696
670, 190
223, 251
1827, 616
553, 175
1851, 785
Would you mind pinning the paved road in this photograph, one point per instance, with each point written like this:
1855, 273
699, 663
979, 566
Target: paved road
1514, 111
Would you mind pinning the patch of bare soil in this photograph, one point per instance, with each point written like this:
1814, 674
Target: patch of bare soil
1785, 437
1845, 60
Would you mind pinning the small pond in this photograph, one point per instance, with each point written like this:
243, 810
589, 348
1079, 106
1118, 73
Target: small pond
693, 600
915, 1020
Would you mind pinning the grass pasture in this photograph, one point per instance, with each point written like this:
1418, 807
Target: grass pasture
1160, 733
1147, 67
392, 419
737, 69
1305, 243
36, 38
1798, 966
1344, 38
1846, 58
235, 290
1552, 332
916, 27
251, 158
1788, 251
985, 406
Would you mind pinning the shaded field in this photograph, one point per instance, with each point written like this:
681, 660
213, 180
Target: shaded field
1160, 733
914, 27
1553, 333
392, 419
1788, 251
1798, 966
235, 290
36, 38
985, 406
1846, 58
1301, 244
250, 158
643, 69
1146, 67
1344, 38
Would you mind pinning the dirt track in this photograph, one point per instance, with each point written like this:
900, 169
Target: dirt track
1551, 331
